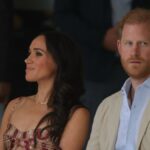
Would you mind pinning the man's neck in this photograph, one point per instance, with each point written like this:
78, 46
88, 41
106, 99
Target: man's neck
131, 96
136, 82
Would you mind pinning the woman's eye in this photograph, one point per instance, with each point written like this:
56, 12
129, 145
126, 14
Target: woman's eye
38, 54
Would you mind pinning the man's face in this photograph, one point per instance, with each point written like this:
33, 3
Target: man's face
134, 50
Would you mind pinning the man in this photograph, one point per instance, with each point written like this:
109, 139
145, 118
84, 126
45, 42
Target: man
91, 23
122, 120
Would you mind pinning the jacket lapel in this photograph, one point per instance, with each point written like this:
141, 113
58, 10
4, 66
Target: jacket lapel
145, 121
114, 121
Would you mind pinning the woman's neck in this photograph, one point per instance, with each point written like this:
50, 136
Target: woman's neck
44, 92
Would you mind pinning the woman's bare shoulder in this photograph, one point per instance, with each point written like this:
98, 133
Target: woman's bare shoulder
80, 116
13, 103
81, 111
11, 106
20, 99
77, 126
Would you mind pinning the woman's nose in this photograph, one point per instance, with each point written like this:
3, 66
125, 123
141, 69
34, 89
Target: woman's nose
28, 59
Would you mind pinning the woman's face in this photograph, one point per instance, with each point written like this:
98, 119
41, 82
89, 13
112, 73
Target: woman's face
40, 65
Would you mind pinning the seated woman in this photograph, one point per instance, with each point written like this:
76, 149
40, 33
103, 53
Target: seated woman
53, 118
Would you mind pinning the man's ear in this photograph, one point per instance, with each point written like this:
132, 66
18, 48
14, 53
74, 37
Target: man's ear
119, 46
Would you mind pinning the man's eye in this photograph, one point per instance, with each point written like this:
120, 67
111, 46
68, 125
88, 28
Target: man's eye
143, 43
128, 43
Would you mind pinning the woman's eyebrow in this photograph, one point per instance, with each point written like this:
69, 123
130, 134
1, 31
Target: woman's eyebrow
39, 49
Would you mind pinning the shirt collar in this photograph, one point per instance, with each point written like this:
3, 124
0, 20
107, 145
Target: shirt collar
146, 83
126, 86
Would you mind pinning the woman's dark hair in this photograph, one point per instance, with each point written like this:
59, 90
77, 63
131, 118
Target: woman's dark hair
68, 84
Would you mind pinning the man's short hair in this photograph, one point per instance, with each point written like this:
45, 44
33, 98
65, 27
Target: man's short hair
135, 16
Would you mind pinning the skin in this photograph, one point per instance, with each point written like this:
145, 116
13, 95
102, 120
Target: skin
110, 39
134, 50
25, 114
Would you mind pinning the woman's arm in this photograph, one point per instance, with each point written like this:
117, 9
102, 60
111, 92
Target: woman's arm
76, 131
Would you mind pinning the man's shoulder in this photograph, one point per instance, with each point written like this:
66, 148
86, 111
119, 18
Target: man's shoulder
113, 97
111, 101
109, 108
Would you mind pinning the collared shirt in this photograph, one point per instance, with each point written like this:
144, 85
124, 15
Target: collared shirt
130, 118
119, 9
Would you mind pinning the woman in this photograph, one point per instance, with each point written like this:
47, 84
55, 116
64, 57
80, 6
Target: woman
53, 118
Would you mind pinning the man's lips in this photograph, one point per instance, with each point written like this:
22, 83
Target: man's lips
135, 61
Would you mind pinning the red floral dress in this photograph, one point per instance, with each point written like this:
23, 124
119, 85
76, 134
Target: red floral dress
14, 139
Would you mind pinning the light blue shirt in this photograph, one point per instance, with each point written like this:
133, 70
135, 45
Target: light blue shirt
130, 119
119, 9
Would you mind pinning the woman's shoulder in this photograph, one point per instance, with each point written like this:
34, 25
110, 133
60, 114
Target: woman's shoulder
14, 103
11, 106
79, 111
79, 115
77, 126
